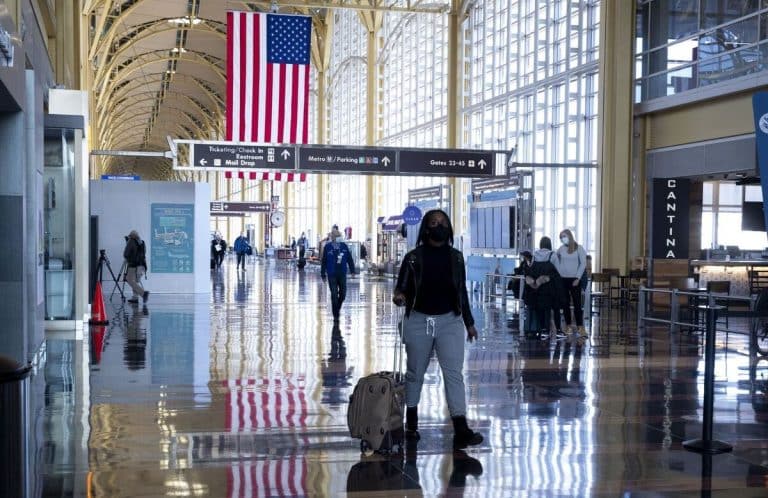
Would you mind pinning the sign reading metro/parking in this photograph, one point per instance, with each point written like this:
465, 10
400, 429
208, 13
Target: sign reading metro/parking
373, 160
242, 156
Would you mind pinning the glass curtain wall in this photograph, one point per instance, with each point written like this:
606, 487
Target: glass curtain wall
414, 90
683, 45
347, 94
532, 84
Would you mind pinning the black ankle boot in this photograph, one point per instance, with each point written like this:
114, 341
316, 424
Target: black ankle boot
463, 435
412, 423
463, 465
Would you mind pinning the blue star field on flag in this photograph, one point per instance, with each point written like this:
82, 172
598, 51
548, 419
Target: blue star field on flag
288, 39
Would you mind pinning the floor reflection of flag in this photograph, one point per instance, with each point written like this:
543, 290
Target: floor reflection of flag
274, 477
265, 403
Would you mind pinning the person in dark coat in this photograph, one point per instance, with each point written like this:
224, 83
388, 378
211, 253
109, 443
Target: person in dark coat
218, 249
544, 277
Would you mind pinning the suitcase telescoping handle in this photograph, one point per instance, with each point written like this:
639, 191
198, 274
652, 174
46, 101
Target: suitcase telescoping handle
397, 367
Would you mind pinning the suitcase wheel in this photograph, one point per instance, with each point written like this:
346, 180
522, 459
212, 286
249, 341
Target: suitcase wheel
365, 448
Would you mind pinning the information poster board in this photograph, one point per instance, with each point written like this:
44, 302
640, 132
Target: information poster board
172, 238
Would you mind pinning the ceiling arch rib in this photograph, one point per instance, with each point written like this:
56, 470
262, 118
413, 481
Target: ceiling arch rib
199, 126
114, 109
120, 134
141, 34
159, 56
135, 105
124, 140
129, 86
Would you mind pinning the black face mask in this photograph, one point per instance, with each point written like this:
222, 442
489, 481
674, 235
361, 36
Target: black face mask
438, 233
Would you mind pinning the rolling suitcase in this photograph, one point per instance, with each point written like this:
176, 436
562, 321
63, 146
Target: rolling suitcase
375, 413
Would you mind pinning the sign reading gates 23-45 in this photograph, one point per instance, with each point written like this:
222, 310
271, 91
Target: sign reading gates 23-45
671, 218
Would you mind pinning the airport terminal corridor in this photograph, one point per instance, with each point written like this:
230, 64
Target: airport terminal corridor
246, 395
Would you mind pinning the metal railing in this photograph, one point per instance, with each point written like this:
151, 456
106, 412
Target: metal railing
700, 299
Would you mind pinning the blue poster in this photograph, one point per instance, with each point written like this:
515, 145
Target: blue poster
173, 245
760, 110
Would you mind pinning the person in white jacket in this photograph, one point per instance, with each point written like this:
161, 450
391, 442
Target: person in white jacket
572, 265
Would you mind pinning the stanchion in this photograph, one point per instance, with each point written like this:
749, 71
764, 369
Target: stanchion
706, 444
640, 308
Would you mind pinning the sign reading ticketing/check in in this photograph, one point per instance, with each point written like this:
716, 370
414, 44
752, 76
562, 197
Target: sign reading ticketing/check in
241, 156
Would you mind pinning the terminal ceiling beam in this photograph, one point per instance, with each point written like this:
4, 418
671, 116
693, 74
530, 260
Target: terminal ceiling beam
372, 5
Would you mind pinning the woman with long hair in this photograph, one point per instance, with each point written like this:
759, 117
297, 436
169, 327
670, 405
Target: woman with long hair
432, 287
573, 263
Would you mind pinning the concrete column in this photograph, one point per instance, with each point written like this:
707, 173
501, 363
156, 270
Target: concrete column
373, 116
615, 145
455, 78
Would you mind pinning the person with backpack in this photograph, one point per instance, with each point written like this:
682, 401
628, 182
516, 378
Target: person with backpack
544, 276
573, 263
135, 255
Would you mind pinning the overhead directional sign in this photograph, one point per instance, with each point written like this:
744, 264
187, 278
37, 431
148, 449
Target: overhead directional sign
374, 160
443, 162
342, 159
216, 155
240, 207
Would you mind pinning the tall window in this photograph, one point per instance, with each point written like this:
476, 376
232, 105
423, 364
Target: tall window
532, 85
722, 220
414, 89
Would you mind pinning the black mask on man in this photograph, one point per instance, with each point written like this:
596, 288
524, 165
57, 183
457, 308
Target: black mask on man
438, 233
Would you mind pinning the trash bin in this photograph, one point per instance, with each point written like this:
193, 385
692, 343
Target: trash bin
14, 399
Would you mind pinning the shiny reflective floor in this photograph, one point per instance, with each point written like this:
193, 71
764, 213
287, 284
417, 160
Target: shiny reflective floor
244, 393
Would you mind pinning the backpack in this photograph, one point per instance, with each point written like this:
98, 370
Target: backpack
141, 254
551, 293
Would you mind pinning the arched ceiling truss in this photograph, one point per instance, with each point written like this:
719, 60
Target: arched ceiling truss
158, 69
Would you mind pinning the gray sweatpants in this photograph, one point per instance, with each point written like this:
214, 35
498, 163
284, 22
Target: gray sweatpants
445, 333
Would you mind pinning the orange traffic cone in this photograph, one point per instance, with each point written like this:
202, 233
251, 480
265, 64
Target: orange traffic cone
97, 343
98, 313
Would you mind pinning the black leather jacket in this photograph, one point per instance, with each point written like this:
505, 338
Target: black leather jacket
409, 282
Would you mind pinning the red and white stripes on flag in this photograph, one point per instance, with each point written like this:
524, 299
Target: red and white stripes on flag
253, 404
258, 404
273, 477
267, 77
267, 176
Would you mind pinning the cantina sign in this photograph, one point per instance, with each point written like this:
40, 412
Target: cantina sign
671, 222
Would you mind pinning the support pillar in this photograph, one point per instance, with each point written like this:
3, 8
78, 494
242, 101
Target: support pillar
615, 147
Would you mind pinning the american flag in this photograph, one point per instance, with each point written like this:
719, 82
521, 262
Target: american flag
267, 77
266, 176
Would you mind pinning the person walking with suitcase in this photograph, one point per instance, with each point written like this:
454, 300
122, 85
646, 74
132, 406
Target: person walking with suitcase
432, 287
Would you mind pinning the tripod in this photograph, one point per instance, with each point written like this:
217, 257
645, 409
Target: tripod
121, 277
99, 271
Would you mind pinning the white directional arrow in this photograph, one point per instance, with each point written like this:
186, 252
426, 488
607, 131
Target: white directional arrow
481, 163
385, 161
285, 154
203, 161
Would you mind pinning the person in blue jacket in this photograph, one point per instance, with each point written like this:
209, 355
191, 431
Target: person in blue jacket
333, 267
241, 249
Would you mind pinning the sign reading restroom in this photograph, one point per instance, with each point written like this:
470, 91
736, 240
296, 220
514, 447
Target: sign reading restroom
671, 218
